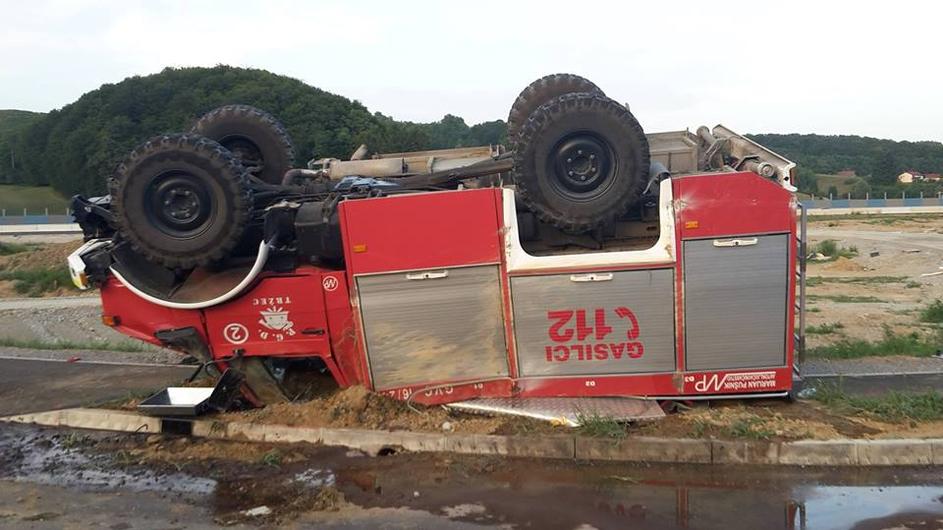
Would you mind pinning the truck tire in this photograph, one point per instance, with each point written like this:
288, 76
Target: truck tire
581, 161
258, 140
181, 200
541, 91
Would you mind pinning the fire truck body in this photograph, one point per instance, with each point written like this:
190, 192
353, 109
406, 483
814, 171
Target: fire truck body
591, 260
440, 301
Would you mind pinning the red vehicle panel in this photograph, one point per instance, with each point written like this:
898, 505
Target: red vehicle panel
421, 231
732, 204
282, 315
141, 319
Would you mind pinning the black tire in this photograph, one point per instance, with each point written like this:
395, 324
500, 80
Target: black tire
181, 200
258, 140
541, 91
581, 161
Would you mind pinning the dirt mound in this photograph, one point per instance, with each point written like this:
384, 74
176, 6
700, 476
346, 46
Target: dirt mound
42, 257
843, 264
357, 407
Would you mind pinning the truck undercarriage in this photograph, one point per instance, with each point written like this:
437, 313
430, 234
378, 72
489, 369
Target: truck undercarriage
589, 259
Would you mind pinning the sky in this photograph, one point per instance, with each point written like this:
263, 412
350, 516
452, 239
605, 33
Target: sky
828, 67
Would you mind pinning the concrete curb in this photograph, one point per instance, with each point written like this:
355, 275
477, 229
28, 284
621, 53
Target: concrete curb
864, 453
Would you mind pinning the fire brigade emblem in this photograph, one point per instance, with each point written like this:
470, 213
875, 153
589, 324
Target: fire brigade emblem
275, 319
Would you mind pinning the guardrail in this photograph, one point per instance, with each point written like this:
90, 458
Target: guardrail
816, 206
903, 202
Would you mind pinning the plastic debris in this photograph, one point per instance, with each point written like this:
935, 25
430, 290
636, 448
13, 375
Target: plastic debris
258, 511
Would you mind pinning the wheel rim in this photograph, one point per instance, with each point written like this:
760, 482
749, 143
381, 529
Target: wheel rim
581, 165
178, 204
248, 153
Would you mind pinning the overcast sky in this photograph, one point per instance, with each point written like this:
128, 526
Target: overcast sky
868, 68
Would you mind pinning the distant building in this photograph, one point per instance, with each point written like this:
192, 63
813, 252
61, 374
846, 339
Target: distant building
847, 173
933, 177
910, 176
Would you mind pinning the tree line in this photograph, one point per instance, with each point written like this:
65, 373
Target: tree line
75, 148
876, 161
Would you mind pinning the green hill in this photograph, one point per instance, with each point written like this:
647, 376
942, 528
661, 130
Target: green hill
877, 161
76, 147
12, 123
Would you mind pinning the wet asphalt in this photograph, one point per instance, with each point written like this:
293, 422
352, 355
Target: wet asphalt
67, 479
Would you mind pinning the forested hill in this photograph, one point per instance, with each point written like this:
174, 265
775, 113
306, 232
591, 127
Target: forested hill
880, 160
76, 147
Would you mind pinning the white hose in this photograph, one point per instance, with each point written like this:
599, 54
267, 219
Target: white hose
232, 293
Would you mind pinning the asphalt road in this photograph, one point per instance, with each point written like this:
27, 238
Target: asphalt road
34, 385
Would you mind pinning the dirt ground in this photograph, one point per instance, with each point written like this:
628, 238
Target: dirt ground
880, 288
355, 407
51, 255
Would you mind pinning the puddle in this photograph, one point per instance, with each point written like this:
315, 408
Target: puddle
56, 460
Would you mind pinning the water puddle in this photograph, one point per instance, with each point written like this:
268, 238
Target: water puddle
31, 456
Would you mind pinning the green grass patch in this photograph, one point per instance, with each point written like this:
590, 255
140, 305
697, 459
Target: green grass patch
857, 280
272, 458
824, 329
599, 426
894, 406
832, 250
912, 344
14, 248
36, 282
933, 313
36, 344
845, 299
749, 427
35, 199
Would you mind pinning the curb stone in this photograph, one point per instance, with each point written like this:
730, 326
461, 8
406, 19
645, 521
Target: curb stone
865, 453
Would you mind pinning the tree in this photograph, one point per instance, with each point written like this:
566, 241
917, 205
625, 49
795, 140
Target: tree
885, 168
76, 147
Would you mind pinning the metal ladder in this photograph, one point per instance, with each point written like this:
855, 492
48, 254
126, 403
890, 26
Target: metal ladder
799, 334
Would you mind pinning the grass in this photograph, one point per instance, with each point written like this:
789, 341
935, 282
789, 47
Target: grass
35, 344
272, 458
14, 248
832, 250
599, 426
749, 427
858, 280
894, 406
912, 344
843, 185
36, 282
824, 329
933, 313
14, 198
845, 299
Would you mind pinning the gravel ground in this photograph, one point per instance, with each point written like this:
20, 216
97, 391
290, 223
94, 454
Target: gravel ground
99, 356
91, 300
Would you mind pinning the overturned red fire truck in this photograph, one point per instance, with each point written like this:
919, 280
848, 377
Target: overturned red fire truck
590, 259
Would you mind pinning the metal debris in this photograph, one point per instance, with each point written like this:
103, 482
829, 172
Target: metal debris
565, 411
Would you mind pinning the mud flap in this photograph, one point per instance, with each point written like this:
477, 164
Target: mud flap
260, 386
